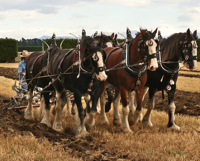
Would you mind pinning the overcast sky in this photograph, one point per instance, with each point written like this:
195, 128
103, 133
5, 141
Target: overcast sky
35, 18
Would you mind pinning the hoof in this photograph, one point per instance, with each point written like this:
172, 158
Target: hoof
29, 116
131, 121
126, 130
147, 123
81, 133
103, 120
133, 118
90, 122
58, 127
117, 122
175, 127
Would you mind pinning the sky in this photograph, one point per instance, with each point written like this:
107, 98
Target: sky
36, 18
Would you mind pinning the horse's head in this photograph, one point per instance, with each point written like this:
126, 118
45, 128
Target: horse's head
91, 49
148, 44
189, 49
106, 40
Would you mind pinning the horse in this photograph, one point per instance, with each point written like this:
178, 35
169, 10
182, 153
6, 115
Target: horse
82, 65
176, 46
136, 52
106, 42
36, 66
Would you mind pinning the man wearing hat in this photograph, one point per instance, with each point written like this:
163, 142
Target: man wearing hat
22, 68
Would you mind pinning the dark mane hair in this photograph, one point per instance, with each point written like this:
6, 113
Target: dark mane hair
171, 46
150, 35
87, 47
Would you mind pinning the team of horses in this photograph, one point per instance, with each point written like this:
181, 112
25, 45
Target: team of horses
139, 64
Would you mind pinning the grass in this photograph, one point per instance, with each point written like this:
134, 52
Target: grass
188, 84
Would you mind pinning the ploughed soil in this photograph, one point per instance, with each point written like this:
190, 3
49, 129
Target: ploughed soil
187, 103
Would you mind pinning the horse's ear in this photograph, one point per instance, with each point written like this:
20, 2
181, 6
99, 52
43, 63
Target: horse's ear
101, 40
95, 34
195, 34
83, 33
187, 33
128, 34
159, 35
143, 33
115, 37
154, 33
112, 35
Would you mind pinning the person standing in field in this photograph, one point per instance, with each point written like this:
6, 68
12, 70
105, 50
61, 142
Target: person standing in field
22, 68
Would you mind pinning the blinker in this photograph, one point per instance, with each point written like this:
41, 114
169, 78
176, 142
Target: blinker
150, 43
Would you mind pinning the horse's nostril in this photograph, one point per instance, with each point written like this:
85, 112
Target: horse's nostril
151, 67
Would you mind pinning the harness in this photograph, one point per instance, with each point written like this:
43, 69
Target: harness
31, 69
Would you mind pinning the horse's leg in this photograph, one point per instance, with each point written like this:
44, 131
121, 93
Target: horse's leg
125, 111
116, 104
90, 122
79, 122
102, 117
171, 124
73, 109
147, 117
29, 110
132, 105
98, 106
40, 110
46, 114
138, 111
67, 113
60, 103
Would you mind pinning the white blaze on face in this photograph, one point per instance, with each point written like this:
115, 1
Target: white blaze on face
109, 44
152, 49
194, 52
102, 75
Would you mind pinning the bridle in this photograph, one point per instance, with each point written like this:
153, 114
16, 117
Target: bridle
145, 49
187, 48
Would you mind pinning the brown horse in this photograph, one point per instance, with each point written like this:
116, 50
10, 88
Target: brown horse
126, 78
36, 66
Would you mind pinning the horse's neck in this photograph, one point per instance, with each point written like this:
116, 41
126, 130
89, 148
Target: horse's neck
134, 55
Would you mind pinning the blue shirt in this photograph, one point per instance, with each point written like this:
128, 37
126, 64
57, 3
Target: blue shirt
22, 67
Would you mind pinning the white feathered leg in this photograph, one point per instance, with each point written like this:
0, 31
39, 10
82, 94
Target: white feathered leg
29, 110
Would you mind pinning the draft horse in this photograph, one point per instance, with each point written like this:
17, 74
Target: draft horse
141, 49
79, 68
176, 46
36, 66
106, 42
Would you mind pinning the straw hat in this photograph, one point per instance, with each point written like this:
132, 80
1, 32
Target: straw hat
24, 54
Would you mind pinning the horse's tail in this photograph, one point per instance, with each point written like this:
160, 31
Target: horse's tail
111, 96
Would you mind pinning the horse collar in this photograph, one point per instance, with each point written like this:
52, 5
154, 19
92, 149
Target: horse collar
131, 71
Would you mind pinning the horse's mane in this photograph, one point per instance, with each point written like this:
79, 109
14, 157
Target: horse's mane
104, 37
85, 50
170, 47
150, 35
